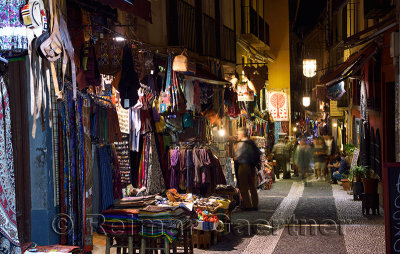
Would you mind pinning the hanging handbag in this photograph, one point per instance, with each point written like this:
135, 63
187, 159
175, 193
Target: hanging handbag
34, 17
181, 62
165, 95
51, 48
180, 97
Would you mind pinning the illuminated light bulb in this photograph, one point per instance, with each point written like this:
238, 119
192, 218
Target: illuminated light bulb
306, 101
221, 132
309, 67
119, 38
335, 125
294, 129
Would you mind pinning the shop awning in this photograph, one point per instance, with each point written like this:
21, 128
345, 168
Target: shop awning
206, 76
351, 66
370, 33
140, 8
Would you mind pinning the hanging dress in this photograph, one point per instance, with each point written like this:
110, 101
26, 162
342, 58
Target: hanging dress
9, 242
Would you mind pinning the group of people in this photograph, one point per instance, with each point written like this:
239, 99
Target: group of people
322, 153
301, 155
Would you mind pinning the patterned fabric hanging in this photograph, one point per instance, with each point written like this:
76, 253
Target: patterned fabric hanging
9, 242
12, 32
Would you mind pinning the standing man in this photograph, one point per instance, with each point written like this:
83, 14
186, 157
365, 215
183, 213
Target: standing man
247, 156
281, 155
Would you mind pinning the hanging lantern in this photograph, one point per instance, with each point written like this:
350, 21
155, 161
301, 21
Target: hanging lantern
309, 67
306, 101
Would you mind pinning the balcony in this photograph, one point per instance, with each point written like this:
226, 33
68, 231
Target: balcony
186, 25
375, 9
228, 45
209, 36
190, 28
255, 29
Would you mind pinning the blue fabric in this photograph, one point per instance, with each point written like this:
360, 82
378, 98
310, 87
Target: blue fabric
278, 127
337, 176
107, 197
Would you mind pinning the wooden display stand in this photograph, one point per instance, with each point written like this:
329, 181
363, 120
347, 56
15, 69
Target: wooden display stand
201, 239
130, 244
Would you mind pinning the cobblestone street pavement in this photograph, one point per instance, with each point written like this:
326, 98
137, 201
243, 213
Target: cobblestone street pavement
315, 217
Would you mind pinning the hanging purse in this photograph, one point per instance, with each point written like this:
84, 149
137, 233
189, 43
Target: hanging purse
165, 95
52, 47
34, 16
181, 62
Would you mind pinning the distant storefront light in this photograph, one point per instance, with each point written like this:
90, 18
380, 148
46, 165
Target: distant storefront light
309, 67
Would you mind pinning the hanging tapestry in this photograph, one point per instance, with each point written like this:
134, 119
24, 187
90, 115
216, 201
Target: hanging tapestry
9, 242
278, 106
123, 118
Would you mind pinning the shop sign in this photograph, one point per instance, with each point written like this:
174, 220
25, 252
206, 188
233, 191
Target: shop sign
391, 198
245, 93
355, 158
335, 91
334, 110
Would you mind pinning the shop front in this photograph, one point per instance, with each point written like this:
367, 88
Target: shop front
126, 143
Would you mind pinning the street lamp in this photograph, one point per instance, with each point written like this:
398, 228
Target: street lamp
309, 67
306, 101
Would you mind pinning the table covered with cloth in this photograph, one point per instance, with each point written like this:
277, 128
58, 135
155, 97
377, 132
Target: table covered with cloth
150, 221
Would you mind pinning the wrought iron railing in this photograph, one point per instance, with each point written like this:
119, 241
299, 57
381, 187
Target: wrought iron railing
252, 23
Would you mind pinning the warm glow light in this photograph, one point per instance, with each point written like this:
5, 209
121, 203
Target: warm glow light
294, 129
234, 81
221, 132
335, 125
119, 38
251, 86
306, 101
309, 67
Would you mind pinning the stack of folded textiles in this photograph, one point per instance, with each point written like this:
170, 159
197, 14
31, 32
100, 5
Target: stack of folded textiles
135, 202
120, 222
165, 221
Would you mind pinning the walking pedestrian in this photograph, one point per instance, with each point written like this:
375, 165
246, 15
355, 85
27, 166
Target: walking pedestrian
303, 157
320, 157
293, 153
281, 155
247, 156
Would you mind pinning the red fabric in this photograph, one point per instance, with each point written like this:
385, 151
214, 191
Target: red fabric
140, 8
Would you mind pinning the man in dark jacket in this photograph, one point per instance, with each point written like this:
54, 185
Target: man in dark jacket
247, 155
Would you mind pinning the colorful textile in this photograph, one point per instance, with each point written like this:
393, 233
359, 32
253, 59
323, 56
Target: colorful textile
120, 221
12, 31
9, 242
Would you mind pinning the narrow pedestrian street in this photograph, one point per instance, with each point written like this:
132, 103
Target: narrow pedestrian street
322, 217
199, 126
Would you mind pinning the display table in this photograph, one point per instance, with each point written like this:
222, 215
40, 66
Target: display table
141, 244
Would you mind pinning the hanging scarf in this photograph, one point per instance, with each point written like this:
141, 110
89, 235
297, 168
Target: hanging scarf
8, 223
